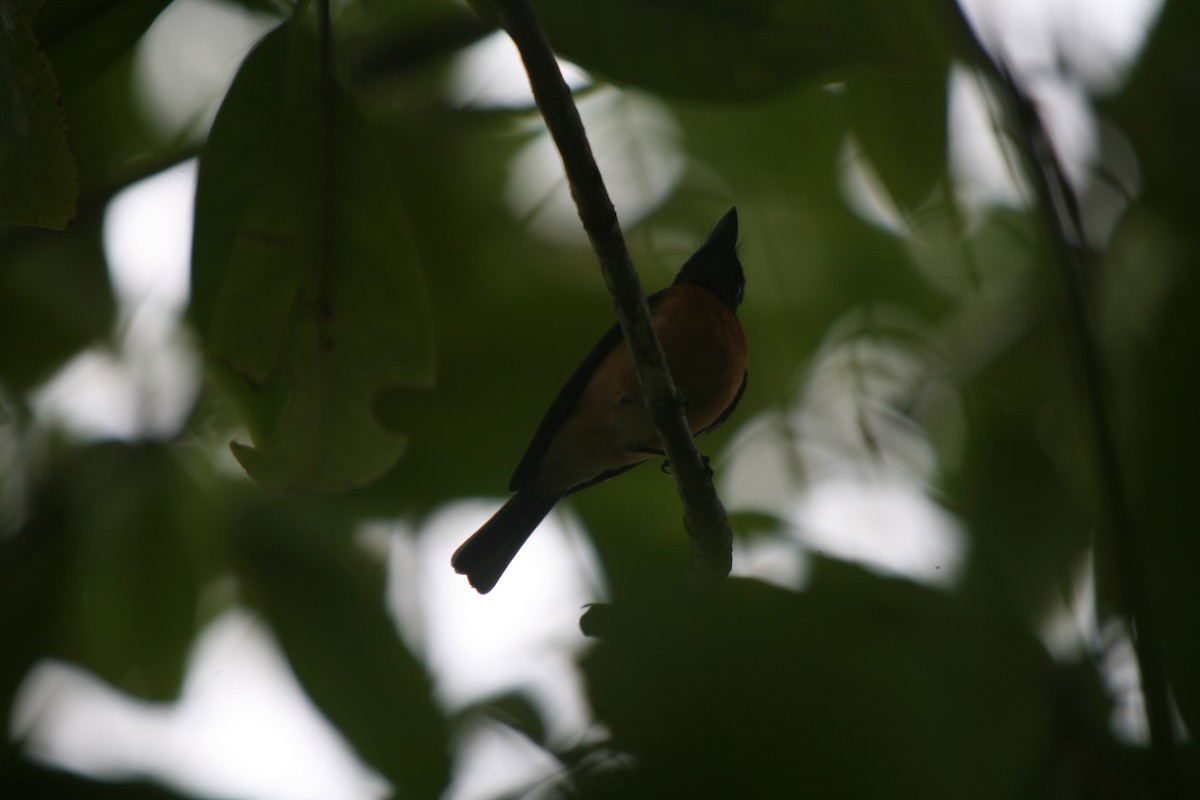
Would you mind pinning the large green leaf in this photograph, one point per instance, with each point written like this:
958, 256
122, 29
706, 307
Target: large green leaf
304, 283
325, 602
38, 184
714, 49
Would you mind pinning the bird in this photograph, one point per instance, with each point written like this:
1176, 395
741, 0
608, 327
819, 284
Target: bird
598, 425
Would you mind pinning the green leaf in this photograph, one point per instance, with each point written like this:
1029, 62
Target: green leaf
86, 37
899, 119
304, 281
110, 536
55, 298
898, 110
38, 183
325, 602
715, 49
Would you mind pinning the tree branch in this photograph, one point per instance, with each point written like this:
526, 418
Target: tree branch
704, 517
1079, 263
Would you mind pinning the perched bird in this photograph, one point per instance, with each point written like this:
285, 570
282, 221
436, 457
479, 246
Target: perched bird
598, 426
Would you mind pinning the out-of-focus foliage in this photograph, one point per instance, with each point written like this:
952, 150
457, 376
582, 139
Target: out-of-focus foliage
302, 280
1158, 243
387, 333
713, 707
299, 569
718, 49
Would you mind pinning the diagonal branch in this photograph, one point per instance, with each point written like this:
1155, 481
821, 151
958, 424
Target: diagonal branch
704, 517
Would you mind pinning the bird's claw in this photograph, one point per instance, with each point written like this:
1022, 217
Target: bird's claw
682, 406
705, 460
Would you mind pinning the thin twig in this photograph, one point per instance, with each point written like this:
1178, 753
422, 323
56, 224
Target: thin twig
704, 517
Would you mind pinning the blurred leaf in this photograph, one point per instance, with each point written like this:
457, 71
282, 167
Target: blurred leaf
55, 299
325, 602
1165, 443
38, 183
899, 118
723, 50
1024, 485
111, 534
31, 573
304, 282
1165, 429
857, 688
517, 711
898, 110
86, 37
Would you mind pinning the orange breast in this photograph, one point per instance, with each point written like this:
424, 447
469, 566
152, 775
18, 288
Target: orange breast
706, 351
705, 348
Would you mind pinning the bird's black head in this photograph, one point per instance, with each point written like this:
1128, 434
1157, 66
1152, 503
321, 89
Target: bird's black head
715, 265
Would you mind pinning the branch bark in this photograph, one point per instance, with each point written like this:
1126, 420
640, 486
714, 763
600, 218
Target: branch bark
704, 518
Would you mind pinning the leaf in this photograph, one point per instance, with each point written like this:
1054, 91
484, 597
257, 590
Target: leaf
108, 541
55, 298
86, 37
38, 182
325, 602
760, 692
898, 110
304, 283
716, 49
1168, 546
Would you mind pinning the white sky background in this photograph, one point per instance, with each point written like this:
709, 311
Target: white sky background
243, 727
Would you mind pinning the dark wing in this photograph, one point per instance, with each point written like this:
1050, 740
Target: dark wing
729, 408
565, 403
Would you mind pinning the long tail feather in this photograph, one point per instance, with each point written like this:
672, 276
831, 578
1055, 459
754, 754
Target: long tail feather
484, 557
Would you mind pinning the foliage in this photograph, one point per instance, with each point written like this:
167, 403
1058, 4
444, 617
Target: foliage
351, 233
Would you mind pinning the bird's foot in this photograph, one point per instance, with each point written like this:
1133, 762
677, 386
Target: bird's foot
708, 471
682, 406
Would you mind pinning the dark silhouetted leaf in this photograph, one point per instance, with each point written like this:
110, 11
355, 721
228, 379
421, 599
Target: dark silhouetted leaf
862, 686
304, 283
